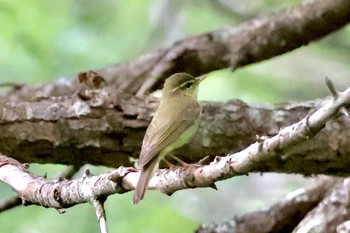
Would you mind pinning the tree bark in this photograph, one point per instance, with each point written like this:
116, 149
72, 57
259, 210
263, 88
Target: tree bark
68, 130
282, 216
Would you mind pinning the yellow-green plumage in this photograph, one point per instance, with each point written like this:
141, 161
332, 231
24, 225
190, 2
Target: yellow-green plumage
173, 124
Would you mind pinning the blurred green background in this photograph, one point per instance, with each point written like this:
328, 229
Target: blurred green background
44, 40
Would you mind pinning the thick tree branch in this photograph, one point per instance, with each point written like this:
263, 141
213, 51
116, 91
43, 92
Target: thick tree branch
69, 130
78, 132
330, 214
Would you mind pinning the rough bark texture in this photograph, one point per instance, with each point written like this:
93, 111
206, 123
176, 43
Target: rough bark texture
330, 213
68, 130
282, 216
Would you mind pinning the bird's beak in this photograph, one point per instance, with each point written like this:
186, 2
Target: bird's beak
201, 78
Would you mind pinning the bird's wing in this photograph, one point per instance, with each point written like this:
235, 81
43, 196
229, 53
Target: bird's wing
162, 133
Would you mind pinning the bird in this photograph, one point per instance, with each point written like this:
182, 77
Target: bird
173, 125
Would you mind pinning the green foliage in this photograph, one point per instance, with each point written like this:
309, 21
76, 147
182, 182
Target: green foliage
43, 40
155, 215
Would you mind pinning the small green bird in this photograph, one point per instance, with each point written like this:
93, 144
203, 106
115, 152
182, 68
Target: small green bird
172, 126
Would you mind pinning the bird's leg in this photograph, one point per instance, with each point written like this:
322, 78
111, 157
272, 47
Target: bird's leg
170, 165
184, 164
201, 162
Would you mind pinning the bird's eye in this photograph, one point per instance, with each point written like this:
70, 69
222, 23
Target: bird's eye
188, 84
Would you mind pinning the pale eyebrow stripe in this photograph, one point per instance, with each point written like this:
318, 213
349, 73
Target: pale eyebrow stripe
182, 85
189, 81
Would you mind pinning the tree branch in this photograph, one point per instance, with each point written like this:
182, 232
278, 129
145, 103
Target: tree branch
58, 193
282, 216
229, 47
17, 201
330, 214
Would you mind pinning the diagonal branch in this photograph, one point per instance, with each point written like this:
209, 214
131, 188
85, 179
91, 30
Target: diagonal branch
282, 216
250, 159
234, 46
332, 213
229, 47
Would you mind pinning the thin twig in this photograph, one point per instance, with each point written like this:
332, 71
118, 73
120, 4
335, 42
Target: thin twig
100, 214
331, 88
334, 93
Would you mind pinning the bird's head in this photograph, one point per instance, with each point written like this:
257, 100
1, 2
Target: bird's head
182, 84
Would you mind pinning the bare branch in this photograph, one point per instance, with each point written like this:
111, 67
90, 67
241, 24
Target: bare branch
15, 201
330, 213
282, 216
235, 46
331, 88
58, 193
228, 47
100, 214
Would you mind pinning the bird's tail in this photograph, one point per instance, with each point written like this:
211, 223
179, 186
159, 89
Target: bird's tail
142, 184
